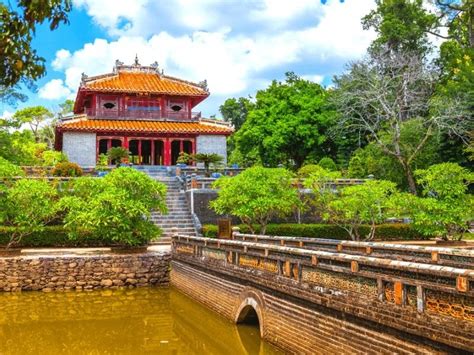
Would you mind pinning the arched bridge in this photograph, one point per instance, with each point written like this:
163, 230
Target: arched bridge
327, 296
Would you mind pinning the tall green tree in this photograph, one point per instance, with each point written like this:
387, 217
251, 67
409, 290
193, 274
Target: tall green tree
34, 117
20, 61
235, 111
401, 26
289, 123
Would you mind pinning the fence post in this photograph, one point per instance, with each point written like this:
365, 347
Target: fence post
193, 186
235, 230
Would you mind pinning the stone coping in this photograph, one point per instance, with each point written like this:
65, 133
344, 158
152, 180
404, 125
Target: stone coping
34, 253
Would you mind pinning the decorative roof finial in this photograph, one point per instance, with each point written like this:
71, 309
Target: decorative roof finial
118, 63
154, 65
136, 60
203, 84
83, 77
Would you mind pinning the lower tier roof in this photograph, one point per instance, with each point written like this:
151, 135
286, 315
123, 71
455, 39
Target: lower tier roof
85, 124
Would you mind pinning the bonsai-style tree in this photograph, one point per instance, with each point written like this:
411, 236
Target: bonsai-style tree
256, 196
117, 155
446, 207
116, 208
29, 205
185, 158
357, 205
207, 159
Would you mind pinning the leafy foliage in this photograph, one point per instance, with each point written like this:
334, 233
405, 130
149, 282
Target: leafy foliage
401, 26
446, 207
235, 111
256, 195
20, 62
117, 155
328, 164
288, 123
207, 159
67, 169
368, 203
52, 157
9, 170
117, 207
29, 206
392, 231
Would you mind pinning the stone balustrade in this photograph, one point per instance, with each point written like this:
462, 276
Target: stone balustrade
364, 280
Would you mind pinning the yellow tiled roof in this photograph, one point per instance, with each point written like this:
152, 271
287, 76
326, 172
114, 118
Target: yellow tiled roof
149, 82
99, 125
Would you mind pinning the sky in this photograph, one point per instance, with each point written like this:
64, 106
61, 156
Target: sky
238, 46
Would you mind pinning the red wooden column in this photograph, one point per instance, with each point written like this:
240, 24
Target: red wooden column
152, 152
139, 152
125, 142
181, 146
109, 144
167, 152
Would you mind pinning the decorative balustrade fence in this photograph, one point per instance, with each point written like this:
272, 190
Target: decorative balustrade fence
367, 280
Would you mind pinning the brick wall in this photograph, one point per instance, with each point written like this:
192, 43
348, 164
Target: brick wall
212, 144
80, 148
292, 325
84, 272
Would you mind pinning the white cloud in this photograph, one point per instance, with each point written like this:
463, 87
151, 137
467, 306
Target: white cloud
314, 77
6, 114
234, 61
54, 90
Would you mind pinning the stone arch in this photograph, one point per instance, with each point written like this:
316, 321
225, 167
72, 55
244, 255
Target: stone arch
251, 303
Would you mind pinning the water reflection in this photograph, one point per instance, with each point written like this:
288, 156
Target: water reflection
147, 320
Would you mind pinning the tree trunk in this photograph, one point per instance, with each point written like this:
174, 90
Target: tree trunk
411, 180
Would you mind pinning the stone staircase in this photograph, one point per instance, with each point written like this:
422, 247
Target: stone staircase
179, 215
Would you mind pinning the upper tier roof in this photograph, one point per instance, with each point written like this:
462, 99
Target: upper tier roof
137, 78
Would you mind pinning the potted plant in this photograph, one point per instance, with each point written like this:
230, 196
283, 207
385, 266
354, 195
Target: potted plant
118, 155
207, 159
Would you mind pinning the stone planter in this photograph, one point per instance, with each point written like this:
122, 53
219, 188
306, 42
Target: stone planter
121, 249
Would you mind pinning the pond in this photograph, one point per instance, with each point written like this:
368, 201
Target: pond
144, 320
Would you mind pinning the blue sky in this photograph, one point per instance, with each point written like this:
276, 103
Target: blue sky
239, 46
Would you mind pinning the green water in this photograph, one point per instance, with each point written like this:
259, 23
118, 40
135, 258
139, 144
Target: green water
146, 320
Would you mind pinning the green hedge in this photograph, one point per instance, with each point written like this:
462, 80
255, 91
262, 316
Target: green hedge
328, 231
52, 236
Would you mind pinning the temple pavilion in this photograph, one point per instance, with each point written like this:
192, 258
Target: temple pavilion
141, 109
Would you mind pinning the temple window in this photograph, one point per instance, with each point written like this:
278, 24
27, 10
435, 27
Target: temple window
109, 105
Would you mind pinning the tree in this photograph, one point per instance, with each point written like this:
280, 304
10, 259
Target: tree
116, 207
117, 155
30, 205
446, 207
20, 62
381, 95
401, 26
288, 123
368, 203
256, 196
235, 111
33, 116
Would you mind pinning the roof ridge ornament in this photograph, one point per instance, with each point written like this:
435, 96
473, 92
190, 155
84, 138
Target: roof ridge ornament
137, 64
83, 77
203, 84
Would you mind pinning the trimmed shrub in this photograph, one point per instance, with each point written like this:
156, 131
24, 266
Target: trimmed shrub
394, 231
52, 236
328, 164
67, 169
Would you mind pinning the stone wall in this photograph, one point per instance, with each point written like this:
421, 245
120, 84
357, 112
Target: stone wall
292, 325
80, 148
84, 272
212, 144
